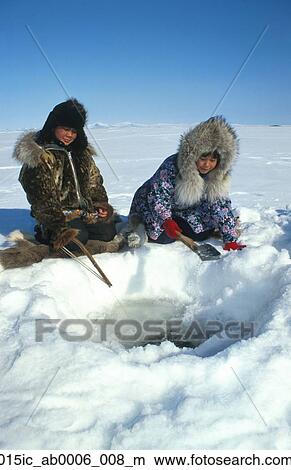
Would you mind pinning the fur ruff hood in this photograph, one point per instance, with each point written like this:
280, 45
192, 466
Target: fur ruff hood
213, 134
27, 151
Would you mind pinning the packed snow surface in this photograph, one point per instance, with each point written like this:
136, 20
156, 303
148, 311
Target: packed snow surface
72, 390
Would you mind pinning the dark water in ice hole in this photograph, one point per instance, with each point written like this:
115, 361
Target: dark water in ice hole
142, 322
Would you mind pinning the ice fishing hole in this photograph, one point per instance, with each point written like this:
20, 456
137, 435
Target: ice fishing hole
140, 322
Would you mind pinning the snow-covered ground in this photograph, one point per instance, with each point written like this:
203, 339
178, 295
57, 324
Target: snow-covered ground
225, 393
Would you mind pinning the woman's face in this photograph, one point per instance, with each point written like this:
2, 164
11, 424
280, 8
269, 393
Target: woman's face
66, 135
206, 164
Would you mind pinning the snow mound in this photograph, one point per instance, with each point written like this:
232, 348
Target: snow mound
98, 125
121, 125
104, 394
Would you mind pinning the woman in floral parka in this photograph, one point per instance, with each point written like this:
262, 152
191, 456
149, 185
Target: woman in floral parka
189, 192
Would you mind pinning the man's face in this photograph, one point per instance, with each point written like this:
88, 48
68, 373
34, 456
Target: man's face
66, 135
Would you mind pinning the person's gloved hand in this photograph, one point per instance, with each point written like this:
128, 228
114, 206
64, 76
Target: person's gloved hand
233, 246
91, 217
102, 212
171, 228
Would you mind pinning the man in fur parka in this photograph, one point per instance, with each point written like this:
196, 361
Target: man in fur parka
62, 183
189, 192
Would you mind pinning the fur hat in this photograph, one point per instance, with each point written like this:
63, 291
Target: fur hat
71, 114
213, 135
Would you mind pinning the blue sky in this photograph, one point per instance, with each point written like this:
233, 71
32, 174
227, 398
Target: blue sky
146, 61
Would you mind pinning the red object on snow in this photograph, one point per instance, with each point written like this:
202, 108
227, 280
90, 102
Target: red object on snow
233, 246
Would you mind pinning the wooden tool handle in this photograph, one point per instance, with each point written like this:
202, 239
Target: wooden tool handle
187, 241
88, 254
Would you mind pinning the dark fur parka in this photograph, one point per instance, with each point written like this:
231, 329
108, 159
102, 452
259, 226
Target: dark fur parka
48, 180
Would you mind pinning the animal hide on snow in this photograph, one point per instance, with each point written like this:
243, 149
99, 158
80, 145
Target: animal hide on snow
26, 251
